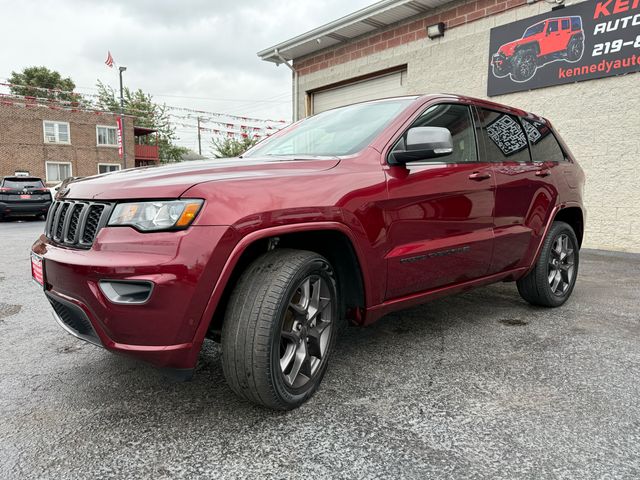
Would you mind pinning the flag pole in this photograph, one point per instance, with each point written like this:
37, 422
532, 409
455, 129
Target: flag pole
124, 151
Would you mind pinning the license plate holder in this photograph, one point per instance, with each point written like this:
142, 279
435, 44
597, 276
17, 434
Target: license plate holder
37, 269
25, 197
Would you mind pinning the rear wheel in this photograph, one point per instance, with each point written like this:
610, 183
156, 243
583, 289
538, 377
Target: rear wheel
575, 49
524, 64
551, 281
280, 328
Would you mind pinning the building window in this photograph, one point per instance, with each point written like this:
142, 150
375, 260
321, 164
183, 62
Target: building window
106, 136
56, 132
58, 171
108, 167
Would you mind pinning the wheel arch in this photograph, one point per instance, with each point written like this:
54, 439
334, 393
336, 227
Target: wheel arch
573, 216
333, 241
534, 45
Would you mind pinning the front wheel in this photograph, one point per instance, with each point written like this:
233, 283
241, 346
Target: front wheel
280, 328
553, 277
525, 64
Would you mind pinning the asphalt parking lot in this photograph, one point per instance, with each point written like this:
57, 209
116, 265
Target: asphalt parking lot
480, 385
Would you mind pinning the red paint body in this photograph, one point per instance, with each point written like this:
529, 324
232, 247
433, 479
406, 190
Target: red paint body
388, 213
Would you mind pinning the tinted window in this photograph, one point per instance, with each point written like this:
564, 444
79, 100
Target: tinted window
565, 24
534, 30
544, 146
553, 26
503, 137
22, 183
576, 23
341, 131
455, 118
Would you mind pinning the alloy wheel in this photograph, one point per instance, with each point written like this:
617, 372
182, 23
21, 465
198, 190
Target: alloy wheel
561, 265
306, 331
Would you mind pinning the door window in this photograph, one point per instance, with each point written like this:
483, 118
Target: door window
553, 26
504, 138
544, 146
457, 119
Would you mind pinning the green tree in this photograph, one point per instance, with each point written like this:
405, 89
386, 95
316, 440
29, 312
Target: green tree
148, 114
32, 80
231, 147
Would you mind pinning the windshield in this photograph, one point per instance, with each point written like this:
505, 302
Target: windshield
534, 29
342, 131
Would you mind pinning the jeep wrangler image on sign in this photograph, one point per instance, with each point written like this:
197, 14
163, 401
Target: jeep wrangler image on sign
581, 42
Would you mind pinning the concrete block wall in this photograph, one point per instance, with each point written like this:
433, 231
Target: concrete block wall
597, 118
22, 145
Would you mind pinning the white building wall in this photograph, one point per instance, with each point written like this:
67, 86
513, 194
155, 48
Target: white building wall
599, 119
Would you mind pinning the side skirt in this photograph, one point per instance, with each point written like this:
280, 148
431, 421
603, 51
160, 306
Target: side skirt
377, 311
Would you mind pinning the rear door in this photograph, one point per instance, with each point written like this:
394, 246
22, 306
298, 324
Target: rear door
525, 191
439, 214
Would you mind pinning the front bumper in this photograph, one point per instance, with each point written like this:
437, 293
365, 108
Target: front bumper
183, 267
500, 60
9, 209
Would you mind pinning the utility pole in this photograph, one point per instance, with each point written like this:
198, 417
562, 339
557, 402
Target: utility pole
124, 151
199, 140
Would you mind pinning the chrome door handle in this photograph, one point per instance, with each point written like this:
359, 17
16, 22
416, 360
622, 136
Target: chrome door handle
479, 176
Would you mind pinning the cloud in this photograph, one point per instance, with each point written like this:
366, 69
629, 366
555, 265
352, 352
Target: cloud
173, 50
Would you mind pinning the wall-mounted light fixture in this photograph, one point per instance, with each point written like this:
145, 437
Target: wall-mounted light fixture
435, 31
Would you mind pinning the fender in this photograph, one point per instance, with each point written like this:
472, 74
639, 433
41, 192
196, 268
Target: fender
547, 227
239, 249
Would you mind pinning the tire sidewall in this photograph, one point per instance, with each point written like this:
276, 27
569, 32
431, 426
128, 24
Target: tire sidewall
558, 229
519, 58
294, 397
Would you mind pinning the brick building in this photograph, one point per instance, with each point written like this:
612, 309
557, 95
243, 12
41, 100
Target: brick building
56, 144
384, 50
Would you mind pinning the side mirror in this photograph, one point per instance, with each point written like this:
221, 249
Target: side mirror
423, 143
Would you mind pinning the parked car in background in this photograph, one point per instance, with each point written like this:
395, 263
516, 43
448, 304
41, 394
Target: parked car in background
350, 214
23, 196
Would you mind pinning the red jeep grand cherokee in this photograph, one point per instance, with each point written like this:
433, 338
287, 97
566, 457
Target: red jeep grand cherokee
349, 214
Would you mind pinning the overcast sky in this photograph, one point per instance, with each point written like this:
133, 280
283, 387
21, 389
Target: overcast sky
172, 49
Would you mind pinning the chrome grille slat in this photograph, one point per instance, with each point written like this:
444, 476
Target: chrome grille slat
76, 223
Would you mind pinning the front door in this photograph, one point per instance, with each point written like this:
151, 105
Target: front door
439, 214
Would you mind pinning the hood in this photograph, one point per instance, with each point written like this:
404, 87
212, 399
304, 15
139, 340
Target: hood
508, 48
171, 181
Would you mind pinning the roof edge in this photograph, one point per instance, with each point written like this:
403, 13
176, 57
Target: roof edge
278, 52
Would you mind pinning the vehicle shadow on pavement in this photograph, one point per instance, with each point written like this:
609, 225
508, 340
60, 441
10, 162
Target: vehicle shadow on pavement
411, 340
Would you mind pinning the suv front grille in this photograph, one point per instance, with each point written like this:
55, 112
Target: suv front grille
75, 223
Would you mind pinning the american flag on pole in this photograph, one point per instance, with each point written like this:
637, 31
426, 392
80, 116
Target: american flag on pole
109, 61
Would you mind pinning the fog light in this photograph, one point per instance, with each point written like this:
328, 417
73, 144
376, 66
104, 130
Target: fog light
435, 31
126, 291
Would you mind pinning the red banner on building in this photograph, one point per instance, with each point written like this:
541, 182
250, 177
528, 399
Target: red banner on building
119, 123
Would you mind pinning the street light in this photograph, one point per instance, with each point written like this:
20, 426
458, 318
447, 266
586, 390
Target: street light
124, 152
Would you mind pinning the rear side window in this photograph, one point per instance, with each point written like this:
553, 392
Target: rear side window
544, 146
565, 24
504, 138
576, 23
22, 183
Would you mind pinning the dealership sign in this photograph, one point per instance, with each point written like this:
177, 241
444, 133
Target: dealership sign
592, 39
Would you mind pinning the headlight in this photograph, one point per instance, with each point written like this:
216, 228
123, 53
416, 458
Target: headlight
157, 215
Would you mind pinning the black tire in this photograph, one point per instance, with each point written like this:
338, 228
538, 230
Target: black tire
575, 49
537, 287
525, 64
501, 71
260, 323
